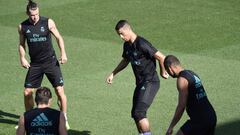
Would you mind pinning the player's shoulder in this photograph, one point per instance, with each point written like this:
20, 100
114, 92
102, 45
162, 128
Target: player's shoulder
44, 18
184, 74
142, 42
51, 22
188, 75
182, 83
140, 39
25, 22
52, 109
30, 111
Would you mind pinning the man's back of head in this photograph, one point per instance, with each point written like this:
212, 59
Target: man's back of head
43, 95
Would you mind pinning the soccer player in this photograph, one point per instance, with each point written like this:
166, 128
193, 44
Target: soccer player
37, 30
43, 119
142, 56
192, 96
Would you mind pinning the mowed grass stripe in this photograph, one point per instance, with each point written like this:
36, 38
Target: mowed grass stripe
13, 7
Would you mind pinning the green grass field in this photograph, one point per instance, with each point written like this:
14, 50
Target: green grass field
204, 34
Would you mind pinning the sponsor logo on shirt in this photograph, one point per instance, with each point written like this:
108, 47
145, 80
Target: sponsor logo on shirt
41, 120
28, 31
143, 88
37, 38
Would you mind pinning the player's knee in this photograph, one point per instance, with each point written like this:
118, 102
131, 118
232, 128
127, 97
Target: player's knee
138, 115
60, 92
28, 92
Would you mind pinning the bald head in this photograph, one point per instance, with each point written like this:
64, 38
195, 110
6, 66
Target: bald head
171, 60
172, 65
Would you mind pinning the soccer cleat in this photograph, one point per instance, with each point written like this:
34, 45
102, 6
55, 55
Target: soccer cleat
67, 125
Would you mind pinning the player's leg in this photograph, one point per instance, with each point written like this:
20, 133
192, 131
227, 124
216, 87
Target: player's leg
142, 99
210, 130
192, 128
139, 116
33, 80
212, 125
134, 104
62, 99
144, 125
54, 75
62, 102
28, 98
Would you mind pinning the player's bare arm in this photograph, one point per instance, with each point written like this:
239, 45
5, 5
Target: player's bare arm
160, 57
59, 39
124, 62
21, 128
182, 85
22, 49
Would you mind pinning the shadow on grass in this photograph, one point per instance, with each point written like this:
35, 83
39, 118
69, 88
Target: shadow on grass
75, 132
229, 128
6, 117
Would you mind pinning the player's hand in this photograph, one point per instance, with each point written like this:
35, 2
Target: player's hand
25, 63
109, 78
63, 59
165, 75
169, 131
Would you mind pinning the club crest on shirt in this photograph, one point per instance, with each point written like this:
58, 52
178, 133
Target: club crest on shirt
42, 29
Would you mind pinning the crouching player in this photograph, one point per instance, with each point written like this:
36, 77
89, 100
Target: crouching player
192, 96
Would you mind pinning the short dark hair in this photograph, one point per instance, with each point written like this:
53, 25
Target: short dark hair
171, 60
120, 24
31, 6
43, 94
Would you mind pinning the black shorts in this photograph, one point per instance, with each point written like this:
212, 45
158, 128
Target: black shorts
196, 128
144, 95
36, 72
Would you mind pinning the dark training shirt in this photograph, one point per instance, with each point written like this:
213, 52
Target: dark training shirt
39, 40
198, 106
141, 55
42, 121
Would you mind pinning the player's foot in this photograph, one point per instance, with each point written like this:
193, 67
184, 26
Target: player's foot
16, 127
67, 125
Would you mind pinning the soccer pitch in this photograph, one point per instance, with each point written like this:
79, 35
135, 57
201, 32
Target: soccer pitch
205, 35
